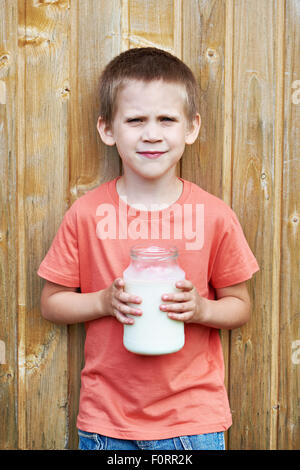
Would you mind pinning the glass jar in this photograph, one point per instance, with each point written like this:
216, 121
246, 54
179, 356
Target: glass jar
153, 271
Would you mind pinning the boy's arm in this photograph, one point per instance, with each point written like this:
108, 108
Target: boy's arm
61, 304
230, 310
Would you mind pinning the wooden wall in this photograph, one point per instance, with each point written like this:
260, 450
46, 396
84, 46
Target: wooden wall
245, 55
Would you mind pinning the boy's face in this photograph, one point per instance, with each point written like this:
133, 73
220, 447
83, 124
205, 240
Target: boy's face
150, 128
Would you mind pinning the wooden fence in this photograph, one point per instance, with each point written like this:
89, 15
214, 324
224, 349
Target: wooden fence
245, 55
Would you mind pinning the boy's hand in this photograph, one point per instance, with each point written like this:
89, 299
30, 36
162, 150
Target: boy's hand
116, 302
187, 306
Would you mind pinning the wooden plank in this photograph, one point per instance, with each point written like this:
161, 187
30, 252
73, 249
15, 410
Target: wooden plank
21, 159
227, 155
91, 162
228, 103
289, 346
208, 161
8, 225
253, 200
278, 147
43, 31
203, 25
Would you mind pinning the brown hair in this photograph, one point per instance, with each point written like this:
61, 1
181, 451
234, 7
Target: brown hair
145, 64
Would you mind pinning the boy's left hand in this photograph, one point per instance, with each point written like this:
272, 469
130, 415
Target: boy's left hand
187, 306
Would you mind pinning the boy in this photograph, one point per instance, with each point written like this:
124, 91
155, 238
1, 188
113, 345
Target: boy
129, 401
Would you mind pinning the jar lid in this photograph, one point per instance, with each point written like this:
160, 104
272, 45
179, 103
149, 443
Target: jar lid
153, 252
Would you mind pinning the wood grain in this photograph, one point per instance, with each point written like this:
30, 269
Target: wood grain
202, 163
253, 189
208, 161
289, 344
43, 34
276, 263
8, 225
245, 56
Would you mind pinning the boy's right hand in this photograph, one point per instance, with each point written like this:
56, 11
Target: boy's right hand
116, 300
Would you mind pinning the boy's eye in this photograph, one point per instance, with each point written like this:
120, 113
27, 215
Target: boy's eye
167, 119
134, 120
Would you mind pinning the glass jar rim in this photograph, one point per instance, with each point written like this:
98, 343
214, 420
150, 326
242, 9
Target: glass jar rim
153, 252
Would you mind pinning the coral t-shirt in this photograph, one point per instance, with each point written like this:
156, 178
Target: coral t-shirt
130, 396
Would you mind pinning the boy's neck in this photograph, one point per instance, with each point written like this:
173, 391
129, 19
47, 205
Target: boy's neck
153, 194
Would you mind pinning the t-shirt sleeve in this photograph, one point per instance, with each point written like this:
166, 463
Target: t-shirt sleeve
61, 263
234, 261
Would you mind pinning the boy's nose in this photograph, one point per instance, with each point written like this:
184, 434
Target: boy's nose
152, 133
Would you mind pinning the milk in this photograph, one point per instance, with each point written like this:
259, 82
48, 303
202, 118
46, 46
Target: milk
154, 332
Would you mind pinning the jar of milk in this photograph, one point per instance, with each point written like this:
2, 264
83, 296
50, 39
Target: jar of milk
153, 271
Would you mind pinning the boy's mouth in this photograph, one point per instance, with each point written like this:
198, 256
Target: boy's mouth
149, 154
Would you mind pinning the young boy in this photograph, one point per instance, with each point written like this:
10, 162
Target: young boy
131, 401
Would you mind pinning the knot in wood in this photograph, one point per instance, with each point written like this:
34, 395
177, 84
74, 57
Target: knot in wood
4, 59
211, 54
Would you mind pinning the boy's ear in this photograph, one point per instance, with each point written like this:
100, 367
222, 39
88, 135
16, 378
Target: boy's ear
105, 132
193, 130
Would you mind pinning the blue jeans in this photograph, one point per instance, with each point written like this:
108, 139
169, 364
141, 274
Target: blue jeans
210, 441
